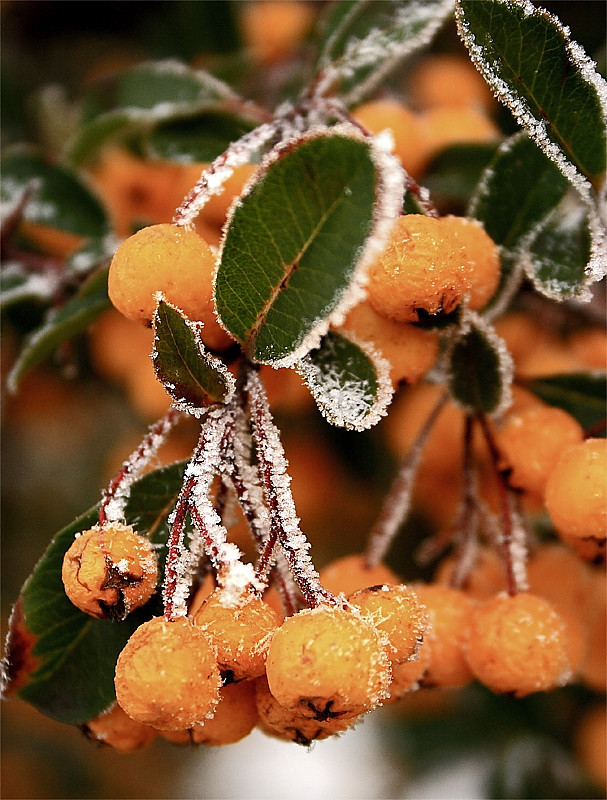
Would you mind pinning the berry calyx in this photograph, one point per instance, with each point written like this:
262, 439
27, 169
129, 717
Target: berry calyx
109, 570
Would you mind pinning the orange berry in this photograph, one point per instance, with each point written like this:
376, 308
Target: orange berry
145, 393
594, 669
449, 80
115, 729
486, 578
422, 269
172, 260
397, 614
325, 661
272, 29
518, 644
239, 630
407, 676
591, 744
576, 498
530, 441
410, 350
234, 718
557, 574
482, 257
444, 126
117, 345
167, 676
285, 389
109, 570
53, 241
590, 347
350, 573
449, 612
292, 724
409, 141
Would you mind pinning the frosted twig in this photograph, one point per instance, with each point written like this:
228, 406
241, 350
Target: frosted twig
284, 524
398, 501
117, 492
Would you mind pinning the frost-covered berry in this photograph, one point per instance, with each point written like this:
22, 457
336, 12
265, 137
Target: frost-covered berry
326, 661
116, 729
109, 570
349, 573
167, 675
234, 718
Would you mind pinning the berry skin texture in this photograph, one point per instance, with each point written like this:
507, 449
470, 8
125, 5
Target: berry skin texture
235, 716
482, 256
576, 498
239, 632
422, 269
530, 442
518, 644
109, 570
167, 676
397, 614
350, 573
326, 661
117, 730
168, 259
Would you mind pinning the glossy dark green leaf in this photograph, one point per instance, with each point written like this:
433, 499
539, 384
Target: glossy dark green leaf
73, 318
480, 369
581, 394
546, 80
55, 195
361, 41
192, 377
294, 243
351, 387
198, 138
61, 660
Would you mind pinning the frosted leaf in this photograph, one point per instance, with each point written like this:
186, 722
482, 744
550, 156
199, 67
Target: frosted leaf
17, 284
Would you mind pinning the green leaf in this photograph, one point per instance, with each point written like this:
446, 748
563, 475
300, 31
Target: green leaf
546, 80
192, 377
581, 394
55, 195
294, 244
73, 318
479, 368
57, 658
198, 138
454, 173
351, 386
361, 41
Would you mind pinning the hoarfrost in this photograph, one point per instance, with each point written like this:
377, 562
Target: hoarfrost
42, 285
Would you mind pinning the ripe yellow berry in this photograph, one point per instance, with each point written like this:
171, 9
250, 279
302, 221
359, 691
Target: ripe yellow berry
167, 676
409, 141
531, 440
486, 578
406, 677
240, 632
443, 126
449, 80
350, 573
172, 260
594, 669
272, 29
326, 661
115, 729
422, 270
397, 614
482, 258
410, 350
292, 724
234, 718
449, 612
109, 570
576, 498
518, 644
590, 743
557, 574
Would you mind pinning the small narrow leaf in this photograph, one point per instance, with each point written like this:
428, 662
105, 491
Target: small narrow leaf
479, 368
350, 384
192, 377
57, 658
364, 41
296, 243
581, 394
73, 318
546, 80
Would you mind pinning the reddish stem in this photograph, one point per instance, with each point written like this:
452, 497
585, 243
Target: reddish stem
171, 572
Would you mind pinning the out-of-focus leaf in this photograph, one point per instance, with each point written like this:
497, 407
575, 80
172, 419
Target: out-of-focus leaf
59, 659
454, 173
361, 41
192, 377
55, 196
73, 318
545, 79
351, 387
294, 244
581, 394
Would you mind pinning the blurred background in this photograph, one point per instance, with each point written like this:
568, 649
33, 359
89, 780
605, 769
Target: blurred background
69, 427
